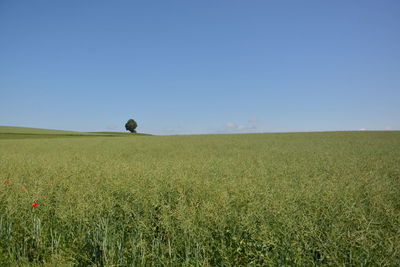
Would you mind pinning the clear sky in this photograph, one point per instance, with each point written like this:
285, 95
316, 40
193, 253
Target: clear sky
189, 66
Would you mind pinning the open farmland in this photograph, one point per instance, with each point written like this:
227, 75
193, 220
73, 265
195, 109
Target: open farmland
9, 132
208, 200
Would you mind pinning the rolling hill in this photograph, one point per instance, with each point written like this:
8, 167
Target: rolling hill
12, 132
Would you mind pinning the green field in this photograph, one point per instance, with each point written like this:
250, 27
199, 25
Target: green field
9, 132
207, 200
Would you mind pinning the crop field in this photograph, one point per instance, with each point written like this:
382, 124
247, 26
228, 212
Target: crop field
283, 199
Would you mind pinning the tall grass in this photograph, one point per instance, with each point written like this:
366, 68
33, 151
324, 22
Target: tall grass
222, 200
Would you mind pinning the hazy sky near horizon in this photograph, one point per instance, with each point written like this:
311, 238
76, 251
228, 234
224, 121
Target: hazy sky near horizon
182, 67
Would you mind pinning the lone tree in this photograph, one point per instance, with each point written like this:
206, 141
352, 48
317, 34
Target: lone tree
131, 126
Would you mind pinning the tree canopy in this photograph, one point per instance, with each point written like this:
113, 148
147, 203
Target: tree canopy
131, 126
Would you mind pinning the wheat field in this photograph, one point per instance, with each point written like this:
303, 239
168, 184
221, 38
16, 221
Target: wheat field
282, 199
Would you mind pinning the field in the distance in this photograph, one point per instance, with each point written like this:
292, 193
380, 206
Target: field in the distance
221, 200
11, 132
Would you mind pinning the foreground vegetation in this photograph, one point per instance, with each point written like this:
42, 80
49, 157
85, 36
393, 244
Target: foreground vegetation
221, 200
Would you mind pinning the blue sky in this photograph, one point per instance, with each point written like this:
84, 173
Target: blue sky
182, 67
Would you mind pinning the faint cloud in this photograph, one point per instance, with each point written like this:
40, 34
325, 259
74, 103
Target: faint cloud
388, 128
231, 125
111, 127
252, 120
234, 126
246, 127
362, 129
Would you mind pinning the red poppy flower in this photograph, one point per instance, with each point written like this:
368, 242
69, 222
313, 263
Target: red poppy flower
34, 204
